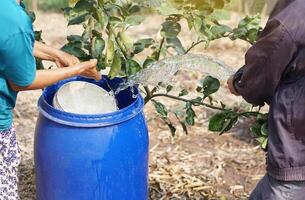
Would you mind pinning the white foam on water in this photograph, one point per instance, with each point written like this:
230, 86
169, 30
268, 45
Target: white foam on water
81, 97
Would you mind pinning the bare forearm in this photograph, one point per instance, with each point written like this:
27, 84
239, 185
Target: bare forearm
44, 52
61, 58
46, 78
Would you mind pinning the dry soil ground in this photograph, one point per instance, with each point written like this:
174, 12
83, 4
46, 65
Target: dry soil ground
201, 165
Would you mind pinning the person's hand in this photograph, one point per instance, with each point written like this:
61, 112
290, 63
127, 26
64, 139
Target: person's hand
63, 59
88, 69
231, 87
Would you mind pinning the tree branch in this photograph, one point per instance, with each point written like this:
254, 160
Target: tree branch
243, 114
188, 100
160, 49
118, 43
148, 95
194, 45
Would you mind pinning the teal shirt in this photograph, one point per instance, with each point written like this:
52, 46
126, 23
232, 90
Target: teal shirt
17, 63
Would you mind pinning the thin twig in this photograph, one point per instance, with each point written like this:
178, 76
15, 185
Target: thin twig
118, 43
244, 114
194, 45
111, 30
148, 94
188, 100
160, 49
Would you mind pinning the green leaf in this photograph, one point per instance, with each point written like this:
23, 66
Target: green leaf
110, 51
134, 9
148, 61
127, 41
101, 3
203, 29
160, 108
264, 144
140, 45
87, 34
74, 38
80, 12
82, 5
76, 50
183, 93
229, 123
248, 29
262, 118
77, 18
197, 100
222, 122
169, 88
116, 65
134, 20
100, 16
217, 121
96, 33
252, 35
176, 44
133, 67
98, 46
190, 115
263, 141
172, 128
209, 85
197, 24
170, 29
256, 129
115, 21
219, 31
189, 22
101, 63
264, 129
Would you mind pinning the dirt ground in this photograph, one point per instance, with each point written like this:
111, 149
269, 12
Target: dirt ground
201, 165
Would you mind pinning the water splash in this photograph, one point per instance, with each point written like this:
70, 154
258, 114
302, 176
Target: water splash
164, 70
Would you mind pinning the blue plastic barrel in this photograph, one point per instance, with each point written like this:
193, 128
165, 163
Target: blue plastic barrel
92, 157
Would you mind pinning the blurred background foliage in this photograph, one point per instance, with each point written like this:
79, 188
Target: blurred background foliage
244, 6
47, 5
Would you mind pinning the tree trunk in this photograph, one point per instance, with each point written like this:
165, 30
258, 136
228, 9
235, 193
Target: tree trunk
246, 8
34, 5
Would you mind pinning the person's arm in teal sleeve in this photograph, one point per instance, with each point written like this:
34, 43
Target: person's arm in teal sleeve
20, 68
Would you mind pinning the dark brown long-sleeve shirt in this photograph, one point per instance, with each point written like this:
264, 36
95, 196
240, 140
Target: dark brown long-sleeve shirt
274, 73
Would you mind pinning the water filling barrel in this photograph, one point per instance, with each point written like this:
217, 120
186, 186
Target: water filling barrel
92, 157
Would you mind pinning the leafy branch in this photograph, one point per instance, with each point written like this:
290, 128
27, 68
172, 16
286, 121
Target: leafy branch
105, 38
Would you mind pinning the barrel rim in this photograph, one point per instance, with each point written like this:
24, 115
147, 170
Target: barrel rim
85, 120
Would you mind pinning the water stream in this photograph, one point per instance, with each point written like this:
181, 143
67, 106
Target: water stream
85, 98
164, 70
